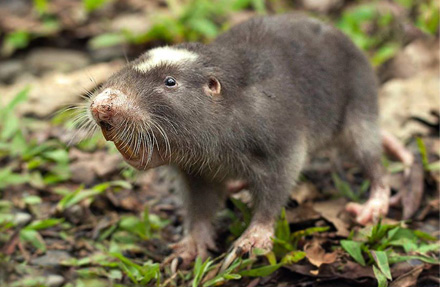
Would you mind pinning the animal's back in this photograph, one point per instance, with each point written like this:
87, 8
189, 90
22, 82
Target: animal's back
327, 74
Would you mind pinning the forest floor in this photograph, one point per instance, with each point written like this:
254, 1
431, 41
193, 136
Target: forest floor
72, 213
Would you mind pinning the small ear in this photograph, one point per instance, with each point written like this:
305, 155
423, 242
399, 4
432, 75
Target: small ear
213, 87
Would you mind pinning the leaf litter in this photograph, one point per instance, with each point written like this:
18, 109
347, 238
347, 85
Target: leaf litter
76, 216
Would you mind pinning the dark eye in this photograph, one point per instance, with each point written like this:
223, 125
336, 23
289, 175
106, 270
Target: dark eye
170, 82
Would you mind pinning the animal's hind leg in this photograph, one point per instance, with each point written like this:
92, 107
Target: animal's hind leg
363, 139
201, 200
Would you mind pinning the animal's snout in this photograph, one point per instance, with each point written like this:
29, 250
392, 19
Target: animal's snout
104, 107
102, 110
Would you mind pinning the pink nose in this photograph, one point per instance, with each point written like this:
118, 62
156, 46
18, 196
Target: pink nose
102, 109
105, 105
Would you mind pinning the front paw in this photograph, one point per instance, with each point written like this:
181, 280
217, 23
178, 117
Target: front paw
258, 236
187, 250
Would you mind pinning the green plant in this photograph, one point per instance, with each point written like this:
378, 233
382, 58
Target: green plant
92, 5
381, 45
345, 189
195, 20
142, 227
435, 166
380, 245
139, 274
41, 6
30, 232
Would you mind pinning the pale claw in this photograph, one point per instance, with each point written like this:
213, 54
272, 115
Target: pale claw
234, 254
175, 264
257, 236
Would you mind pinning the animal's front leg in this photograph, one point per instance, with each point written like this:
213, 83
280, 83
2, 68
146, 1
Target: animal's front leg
269, 196
201, 201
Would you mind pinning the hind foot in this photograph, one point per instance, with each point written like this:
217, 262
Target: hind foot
375, 208
256, 236
193, 245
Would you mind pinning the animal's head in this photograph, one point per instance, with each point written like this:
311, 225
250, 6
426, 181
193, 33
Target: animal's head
159, 106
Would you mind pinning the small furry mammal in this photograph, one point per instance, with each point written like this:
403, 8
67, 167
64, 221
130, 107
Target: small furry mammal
252, 105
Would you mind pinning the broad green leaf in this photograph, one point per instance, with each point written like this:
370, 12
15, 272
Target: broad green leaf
381, 259
380, 277
354, 249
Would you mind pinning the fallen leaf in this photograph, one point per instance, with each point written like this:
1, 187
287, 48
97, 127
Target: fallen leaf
397, 103
408, 279
301, 214
305, 192
317, 255
413, 189
333, 211
89, 166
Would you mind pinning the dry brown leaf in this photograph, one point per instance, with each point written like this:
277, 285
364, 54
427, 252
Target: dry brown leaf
317, 255
398, 103
302, 213
412, 192
89, 166
305, 192
333, 211
408, 279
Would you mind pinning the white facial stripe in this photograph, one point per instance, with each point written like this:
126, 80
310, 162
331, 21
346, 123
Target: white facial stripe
165, 55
